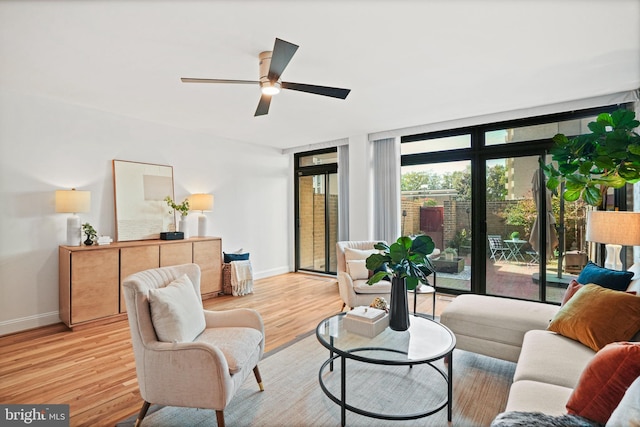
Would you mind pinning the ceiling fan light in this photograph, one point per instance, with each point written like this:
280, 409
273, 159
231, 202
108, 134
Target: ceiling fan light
269, 88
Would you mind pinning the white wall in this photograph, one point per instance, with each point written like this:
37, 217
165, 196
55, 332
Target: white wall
46, 145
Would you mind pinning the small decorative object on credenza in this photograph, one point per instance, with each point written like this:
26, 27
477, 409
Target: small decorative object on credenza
183, 209
172, 235
367, 321
90, 232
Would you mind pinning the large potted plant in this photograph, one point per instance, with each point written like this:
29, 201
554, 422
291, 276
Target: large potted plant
589, 164
406, 263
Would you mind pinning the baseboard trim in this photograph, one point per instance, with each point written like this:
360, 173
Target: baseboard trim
29, 322
273, 272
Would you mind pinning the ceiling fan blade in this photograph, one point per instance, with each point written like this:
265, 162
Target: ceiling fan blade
263, 105
244, 82
334, 92
282, 53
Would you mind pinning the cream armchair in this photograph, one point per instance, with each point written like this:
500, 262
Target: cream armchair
352, 274
203, 372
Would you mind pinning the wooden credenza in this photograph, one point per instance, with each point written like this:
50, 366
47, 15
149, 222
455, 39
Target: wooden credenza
90, 285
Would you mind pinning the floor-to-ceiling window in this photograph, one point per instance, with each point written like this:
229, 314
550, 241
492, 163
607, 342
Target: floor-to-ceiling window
316, 210
479, 193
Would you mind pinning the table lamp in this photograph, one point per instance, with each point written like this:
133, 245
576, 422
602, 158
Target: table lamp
615, 229
73, 202
203, 203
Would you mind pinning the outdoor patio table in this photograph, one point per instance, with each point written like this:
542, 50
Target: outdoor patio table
514, 246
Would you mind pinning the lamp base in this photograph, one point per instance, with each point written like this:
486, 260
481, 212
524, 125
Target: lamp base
74, 234
613, 257
202, 225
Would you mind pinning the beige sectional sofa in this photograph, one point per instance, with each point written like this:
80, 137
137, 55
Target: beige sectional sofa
549, 365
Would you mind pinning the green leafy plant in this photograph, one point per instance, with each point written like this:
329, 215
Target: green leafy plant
515, 235
450, 253
589, 164
183, 207
408, 257
89, 231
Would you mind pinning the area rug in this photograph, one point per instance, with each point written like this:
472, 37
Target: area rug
293, 397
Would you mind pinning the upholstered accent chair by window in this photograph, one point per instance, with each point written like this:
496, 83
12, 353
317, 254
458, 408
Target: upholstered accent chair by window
353, 274
185, 355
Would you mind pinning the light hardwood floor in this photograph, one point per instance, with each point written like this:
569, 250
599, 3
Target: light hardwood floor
92, 369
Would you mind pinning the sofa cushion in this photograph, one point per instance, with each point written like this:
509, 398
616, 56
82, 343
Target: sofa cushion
496, 319
605, 277
237, 344
597, 316
627, 413
361, 287
604, 381
530, 396
176, 311
551, 358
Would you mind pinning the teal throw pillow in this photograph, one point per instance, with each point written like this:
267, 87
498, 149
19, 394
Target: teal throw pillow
607, 278
235, 257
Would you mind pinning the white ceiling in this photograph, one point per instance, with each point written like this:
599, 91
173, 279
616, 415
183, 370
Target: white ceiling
408, 63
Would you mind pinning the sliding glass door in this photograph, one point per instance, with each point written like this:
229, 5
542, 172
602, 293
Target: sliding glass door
316, 212
480, 194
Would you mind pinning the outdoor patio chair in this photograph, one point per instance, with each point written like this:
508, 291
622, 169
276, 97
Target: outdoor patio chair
499, 251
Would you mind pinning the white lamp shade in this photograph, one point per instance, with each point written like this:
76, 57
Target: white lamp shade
613, 227
73, 201
201, 202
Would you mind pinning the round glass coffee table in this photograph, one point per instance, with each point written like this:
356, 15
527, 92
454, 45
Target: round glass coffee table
425, 342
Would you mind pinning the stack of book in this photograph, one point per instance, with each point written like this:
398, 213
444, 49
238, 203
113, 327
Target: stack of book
367, 321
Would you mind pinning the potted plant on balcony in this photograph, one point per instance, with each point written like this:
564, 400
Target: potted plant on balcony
589, 164
406, 262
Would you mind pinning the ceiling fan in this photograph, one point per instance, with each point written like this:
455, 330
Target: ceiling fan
272, 65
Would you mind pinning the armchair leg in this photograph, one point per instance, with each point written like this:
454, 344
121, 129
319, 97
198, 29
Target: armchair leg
344, 304
142, 414
256, 372
220, 418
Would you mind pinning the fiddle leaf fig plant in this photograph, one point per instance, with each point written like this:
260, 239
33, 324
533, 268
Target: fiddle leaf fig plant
589, 164
408, 257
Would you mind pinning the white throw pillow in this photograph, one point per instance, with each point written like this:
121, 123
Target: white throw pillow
176, 311
357, 269
627, 413
351, 254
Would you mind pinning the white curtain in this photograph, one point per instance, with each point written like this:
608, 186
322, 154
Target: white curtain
636, 187
343, 192
386, 189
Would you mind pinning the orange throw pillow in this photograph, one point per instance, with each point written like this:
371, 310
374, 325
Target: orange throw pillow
598, 316
604, 381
